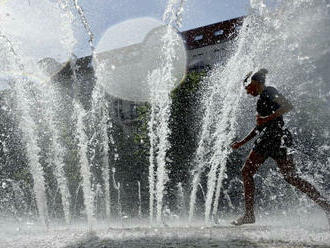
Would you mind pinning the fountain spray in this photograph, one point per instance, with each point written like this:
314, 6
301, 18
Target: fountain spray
28, 127
99, 109
160, 82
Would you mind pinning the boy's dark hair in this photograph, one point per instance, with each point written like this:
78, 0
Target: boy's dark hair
260, 76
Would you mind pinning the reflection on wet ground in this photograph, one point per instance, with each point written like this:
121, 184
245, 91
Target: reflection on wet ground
292, 231
156, 242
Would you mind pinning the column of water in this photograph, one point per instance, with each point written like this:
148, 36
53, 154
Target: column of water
101, 119
57, 151
202, 149
172, 16
28, 127
221, 103
163, 145
89, 194
227, 80
152, 138
84, 165
224, 134
181, 205
106, 169
226, 125
99, 108
80, 115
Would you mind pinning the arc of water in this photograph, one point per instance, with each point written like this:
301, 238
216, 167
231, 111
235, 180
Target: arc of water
68, 40
85, 24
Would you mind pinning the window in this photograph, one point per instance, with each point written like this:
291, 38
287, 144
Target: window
238, 28
198, 37
118, 105
133, 113
218, 32
197, 55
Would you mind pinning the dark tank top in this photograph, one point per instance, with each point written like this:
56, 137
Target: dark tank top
266, 106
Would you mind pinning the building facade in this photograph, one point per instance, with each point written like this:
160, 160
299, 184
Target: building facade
211, 44
205, 47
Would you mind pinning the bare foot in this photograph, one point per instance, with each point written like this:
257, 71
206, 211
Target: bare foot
245, 219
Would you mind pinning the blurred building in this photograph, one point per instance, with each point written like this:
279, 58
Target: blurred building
211, 44
205, 47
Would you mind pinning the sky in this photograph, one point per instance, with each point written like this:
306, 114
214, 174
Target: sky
102, 14
40, 28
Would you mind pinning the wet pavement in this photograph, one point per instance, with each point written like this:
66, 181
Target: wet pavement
311, 231
159, 242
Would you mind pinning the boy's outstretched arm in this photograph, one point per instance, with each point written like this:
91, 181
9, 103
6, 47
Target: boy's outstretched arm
250, 136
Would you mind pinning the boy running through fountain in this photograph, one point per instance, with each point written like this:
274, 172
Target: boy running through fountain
272, 142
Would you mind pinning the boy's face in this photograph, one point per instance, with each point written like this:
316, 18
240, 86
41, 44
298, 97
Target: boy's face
252, 88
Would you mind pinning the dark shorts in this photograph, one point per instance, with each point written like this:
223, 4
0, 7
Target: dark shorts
273, 143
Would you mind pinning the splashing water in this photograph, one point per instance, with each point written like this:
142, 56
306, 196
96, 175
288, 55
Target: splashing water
80, 116
50, 96
106, 172
100, 117
298, 33
99, 109
85, 24
291, 41
37, 102
85, 170
152, 176
27, 125
161, 81
181, 205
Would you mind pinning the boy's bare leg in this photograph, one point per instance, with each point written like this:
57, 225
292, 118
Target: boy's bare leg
287, 168
251, 166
